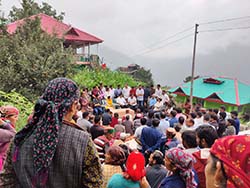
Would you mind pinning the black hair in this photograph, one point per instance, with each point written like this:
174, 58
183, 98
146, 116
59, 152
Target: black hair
193, 115
181, 120
150, 114
199, 114
221, 128
127, 117
234, 113
177, 127
157, 115
208, 133
206, 117
97, 119
214, 117
155, 122
158, 157
223, 108
143, 121
215, 110
162, 115
190, 138
85, 114
223, 115
173, 113
231, 122
116, 115
178, 110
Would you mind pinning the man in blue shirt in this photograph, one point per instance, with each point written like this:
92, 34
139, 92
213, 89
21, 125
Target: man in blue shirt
172, 120
234, 115
151, 138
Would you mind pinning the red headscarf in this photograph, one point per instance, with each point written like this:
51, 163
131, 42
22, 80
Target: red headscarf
136, 166
234, 152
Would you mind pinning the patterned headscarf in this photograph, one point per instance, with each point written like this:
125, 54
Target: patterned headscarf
234, 152
184, 163
49, 111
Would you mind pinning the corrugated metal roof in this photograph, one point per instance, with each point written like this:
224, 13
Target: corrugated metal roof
229, 91
53, 26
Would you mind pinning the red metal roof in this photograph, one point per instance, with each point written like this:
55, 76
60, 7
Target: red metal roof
53, 26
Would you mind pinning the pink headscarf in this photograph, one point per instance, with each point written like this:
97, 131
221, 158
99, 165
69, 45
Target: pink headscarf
9, 110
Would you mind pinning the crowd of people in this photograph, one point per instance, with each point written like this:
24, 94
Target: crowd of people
73, 139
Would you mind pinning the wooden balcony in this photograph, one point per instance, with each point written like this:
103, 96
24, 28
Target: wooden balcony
92, 60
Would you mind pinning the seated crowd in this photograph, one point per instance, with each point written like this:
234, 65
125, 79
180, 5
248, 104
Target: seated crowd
158, 145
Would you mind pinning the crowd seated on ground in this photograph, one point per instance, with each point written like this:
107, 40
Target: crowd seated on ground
144, 140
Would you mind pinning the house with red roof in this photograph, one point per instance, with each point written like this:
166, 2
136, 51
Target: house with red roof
212, 92
72, 36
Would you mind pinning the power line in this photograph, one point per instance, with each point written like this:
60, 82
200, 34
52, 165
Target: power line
154, 49
226, 20
165, 39
224, 29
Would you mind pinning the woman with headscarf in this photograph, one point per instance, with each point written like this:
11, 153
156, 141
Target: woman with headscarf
51, 150
180, 164
228, 165
9, 116
134, 175
114, 161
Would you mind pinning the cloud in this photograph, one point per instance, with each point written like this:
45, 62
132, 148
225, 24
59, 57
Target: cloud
133, 26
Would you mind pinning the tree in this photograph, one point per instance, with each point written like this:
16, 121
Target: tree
29, 8
30, 57
143, 75
3, 21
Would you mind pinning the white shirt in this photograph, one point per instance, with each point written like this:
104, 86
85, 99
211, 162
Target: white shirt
121, 101
125, 92
139, 94
165, 98
158, 92
132, 101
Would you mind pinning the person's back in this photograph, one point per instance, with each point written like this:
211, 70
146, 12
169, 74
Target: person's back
118, 181
151, 137
106, 117
51, 150
129, 126
155, 172
69, 161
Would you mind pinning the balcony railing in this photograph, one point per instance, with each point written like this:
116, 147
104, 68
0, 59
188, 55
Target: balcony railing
87, 58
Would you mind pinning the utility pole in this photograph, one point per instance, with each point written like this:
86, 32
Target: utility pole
193, 66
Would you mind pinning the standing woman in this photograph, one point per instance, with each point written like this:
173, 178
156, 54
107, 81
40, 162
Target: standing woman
180, 164
9, 116
228, 165
51, 151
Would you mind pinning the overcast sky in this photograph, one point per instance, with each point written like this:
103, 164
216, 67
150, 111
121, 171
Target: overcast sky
138, 31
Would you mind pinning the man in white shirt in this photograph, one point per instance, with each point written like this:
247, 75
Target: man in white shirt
121, 101
132, 102
140, 94
164, 97
158, 91
126, 91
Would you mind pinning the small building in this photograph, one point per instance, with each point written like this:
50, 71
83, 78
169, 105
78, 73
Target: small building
79, 40
215, 92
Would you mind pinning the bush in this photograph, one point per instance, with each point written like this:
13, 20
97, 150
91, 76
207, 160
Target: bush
90, 78
24, 106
